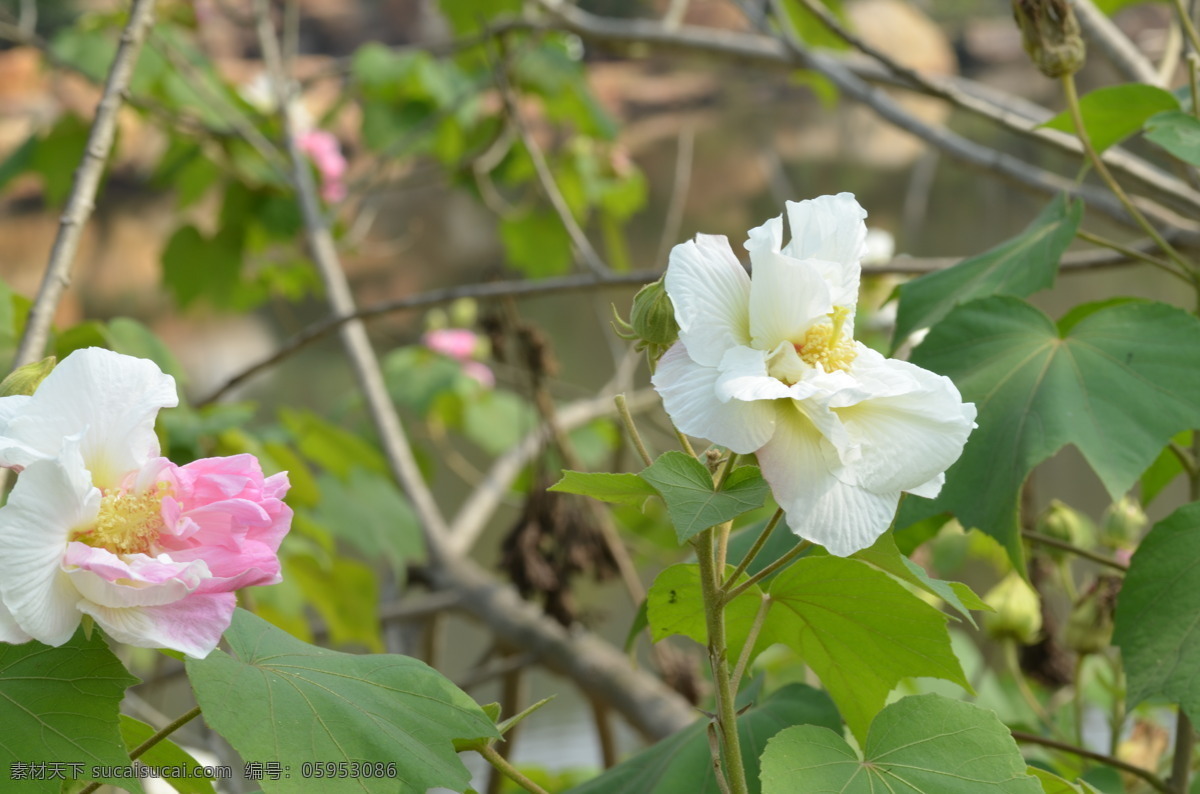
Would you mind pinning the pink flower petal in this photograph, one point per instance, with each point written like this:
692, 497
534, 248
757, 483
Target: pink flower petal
193, 625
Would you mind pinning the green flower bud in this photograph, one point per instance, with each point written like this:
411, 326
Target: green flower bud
652, 320
1018, 611
1123, 523
26, 379
464, 312
1050, 35
1062, 522
1090, 626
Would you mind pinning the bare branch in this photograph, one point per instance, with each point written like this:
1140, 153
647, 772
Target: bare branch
81, 200
337, 287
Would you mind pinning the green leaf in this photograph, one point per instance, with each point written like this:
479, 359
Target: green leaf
196, 266
57, 155
1156, 626
1115, 112
316, 705
1021, 266
675, 605
132, 338
166, 755
625, 489
336, 450
536, 244
692, 499
681, 764
860, 631
62, 705
886, 557
18, 161
927, 744
1118, 385
345, 593
368, 512
1178, 133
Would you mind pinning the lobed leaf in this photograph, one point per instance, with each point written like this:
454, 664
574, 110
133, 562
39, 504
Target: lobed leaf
692, 500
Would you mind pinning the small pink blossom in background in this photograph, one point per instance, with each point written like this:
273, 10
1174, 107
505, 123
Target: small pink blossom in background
322, 146
98, 524
461, 345
457, 343
1123, 556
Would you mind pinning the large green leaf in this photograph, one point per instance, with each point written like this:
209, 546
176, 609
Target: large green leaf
681, 764
61, 705
860, 631
1115, 112
1156, 625
183, 772
1117, 381
1178, 133
675, 605
692, 498
1021, 266
1053, 784
277, 699
927, 744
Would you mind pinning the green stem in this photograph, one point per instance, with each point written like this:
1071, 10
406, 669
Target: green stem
683, 442
1181, 766
631, 429
755, 549
786, 559
760, 617
1189, 27
141, 749
718, 659
502, 765
1072, 97
1193, 62
1117, 717
1132, 253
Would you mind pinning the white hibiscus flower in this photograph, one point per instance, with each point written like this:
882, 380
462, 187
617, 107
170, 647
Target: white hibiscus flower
769, 365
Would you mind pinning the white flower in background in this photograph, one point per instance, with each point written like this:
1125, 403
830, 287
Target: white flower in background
769, 365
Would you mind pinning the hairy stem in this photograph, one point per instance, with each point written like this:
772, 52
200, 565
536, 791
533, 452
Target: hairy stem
718, 658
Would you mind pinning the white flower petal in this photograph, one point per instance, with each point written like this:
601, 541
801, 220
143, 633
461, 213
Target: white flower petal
688, 391
931, 489
710, 291
768, 237
51, 498
786, 298
820, 507
743, 376
9, 630
903, 438
192, 626
132, 580
110, 398
831, 229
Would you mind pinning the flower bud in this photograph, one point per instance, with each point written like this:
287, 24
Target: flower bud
1050, 35
464, 312
26, 379
1090, 626
1123, 523
1018, 611
1062, 522
652, 320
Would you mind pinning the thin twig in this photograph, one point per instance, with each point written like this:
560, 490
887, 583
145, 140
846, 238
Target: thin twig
1046, 540
1116, 46
760, 618
1107, 760
81, 200
1132, 253
354, 335
142, 748
545, 177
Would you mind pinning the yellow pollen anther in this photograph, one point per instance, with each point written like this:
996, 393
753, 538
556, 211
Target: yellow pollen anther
128, 523
824, 346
